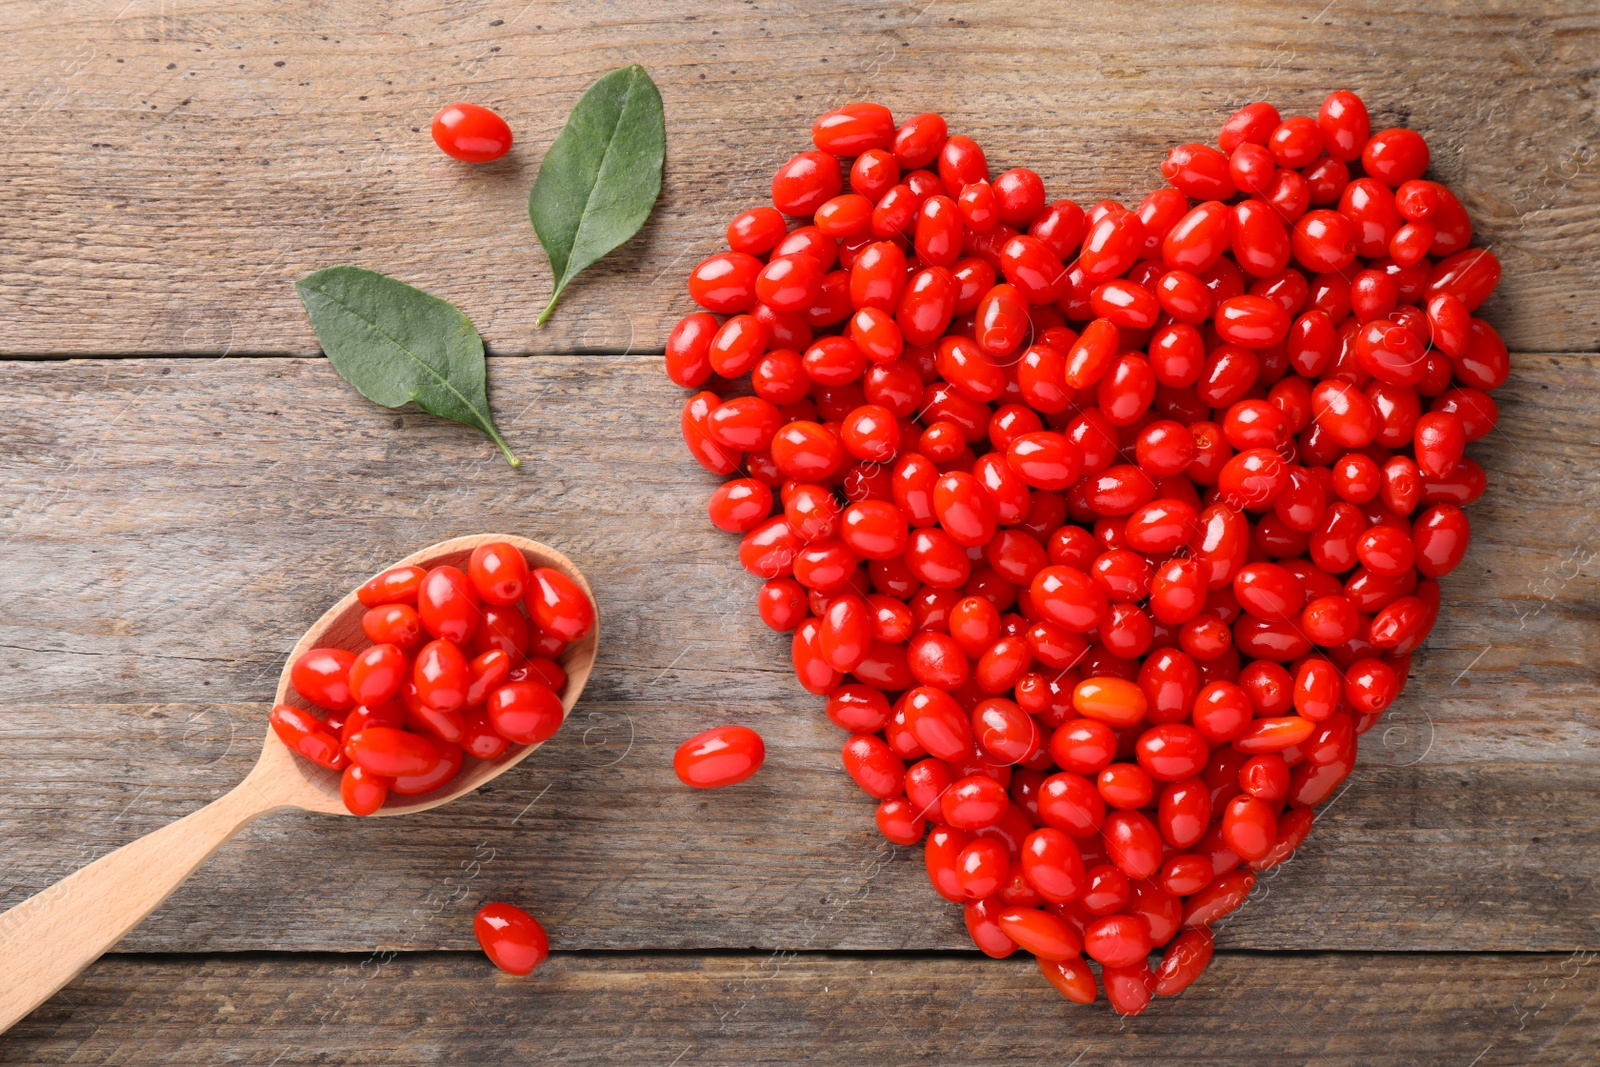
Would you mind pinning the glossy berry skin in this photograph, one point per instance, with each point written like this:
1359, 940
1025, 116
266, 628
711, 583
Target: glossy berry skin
441, 676
805, 182
448, 604
1198, 239
1129, 989
944, 847
1469, 276
917, 142
789, 283
1172, 751
375, 675
321, 675
1249, 826
722, 756
499, 573
1269, 591
1251, 124
925, 305
546, 672
1221, 897
1033, 268
1117, 940
525, 713
983, 926
506, 629
1053, 865
961, 163
1260, 242
362, 792
973, 803
982, 868
511, 938
1441, 439
559, 605
411, 785
1184, 961
1125, 786
471, 133
398, 585
725, 282
1070, 598
393, 624
1106, 891
1327, 179
1199, 172
480, 739
487, 672
1111, 245
1440, 535
1185, 811
1116, 702
306, 735
1040, 933
940, 726
1071, 978
853, 129
392, 753
1003, 731
900, 821
1045, 460
1395, 156
1084, 746
1068, 802
874, 766
756, 230
1251, 321
1133, 843
740, 506
1345, 125
1323, 241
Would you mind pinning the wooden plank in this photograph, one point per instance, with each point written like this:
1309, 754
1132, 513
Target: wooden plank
1450, 854
170, 170
171, 526
1332, 1009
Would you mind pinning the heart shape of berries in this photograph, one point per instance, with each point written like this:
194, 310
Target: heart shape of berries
1106, 534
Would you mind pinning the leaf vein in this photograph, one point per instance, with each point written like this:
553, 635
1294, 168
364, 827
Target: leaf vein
588, 202
442, 379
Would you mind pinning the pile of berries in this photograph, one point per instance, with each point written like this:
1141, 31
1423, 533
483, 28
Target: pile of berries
1105, 533
455, 669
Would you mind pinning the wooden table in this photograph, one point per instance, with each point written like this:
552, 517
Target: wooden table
186, 484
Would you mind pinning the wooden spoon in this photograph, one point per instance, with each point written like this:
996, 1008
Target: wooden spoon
49, 938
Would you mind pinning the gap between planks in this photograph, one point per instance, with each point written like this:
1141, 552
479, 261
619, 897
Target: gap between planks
601, 353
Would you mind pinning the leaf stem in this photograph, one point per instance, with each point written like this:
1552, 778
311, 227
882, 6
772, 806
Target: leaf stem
548, 308
511, 457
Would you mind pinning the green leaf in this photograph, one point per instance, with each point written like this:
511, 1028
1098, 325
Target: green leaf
397, 344
601, 176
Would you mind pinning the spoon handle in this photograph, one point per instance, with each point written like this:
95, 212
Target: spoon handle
53, 935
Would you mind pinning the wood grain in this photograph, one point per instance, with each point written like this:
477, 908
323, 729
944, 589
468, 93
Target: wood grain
48, 939
169, 170
171, 527
1330, 1009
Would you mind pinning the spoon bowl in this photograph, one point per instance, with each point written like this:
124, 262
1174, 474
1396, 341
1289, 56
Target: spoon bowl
53, 935
303, 784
